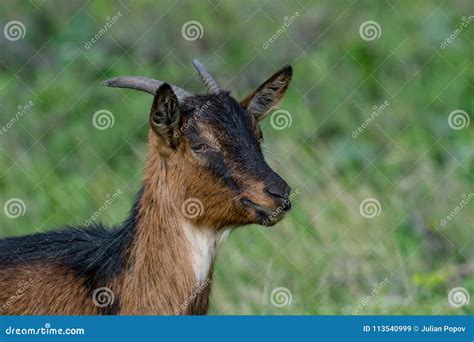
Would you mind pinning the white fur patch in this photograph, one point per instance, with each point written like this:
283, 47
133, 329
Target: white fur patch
203, 247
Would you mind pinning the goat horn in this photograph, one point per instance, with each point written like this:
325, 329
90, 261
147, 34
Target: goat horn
147, 85
206, 77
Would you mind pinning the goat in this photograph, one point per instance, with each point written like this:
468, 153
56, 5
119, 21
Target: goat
205, 175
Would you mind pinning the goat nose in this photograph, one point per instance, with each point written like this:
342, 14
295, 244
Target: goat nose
280, 191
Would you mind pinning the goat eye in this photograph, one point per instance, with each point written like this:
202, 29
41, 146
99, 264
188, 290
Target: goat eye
200, 148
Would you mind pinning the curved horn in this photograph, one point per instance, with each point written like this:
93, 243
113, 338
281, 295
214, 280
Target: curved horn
147, 85
206, 77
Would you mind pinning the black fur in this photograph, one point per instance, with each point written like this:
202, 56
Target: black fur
236, 134
96, 254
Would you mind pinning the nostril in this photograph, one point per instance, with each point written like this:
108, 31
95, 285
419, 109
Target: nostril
278, 190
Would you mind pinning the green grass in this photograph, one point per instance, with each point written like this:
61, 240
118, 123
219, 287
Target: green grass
324, 252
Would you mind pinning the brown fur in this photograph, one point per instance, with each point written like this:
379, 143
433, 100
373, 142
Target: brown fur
269, 94
43, 289
160, 268
159, 275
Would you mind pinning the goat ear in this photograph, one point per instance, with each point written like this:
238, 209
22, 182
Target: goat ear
165, 113
269, 94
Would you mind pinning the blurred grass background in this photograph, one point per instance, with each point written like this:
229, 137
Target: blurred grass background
325, 253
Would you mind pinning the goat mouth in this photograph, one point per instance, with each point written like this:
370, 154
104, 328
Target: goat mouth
265, 216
